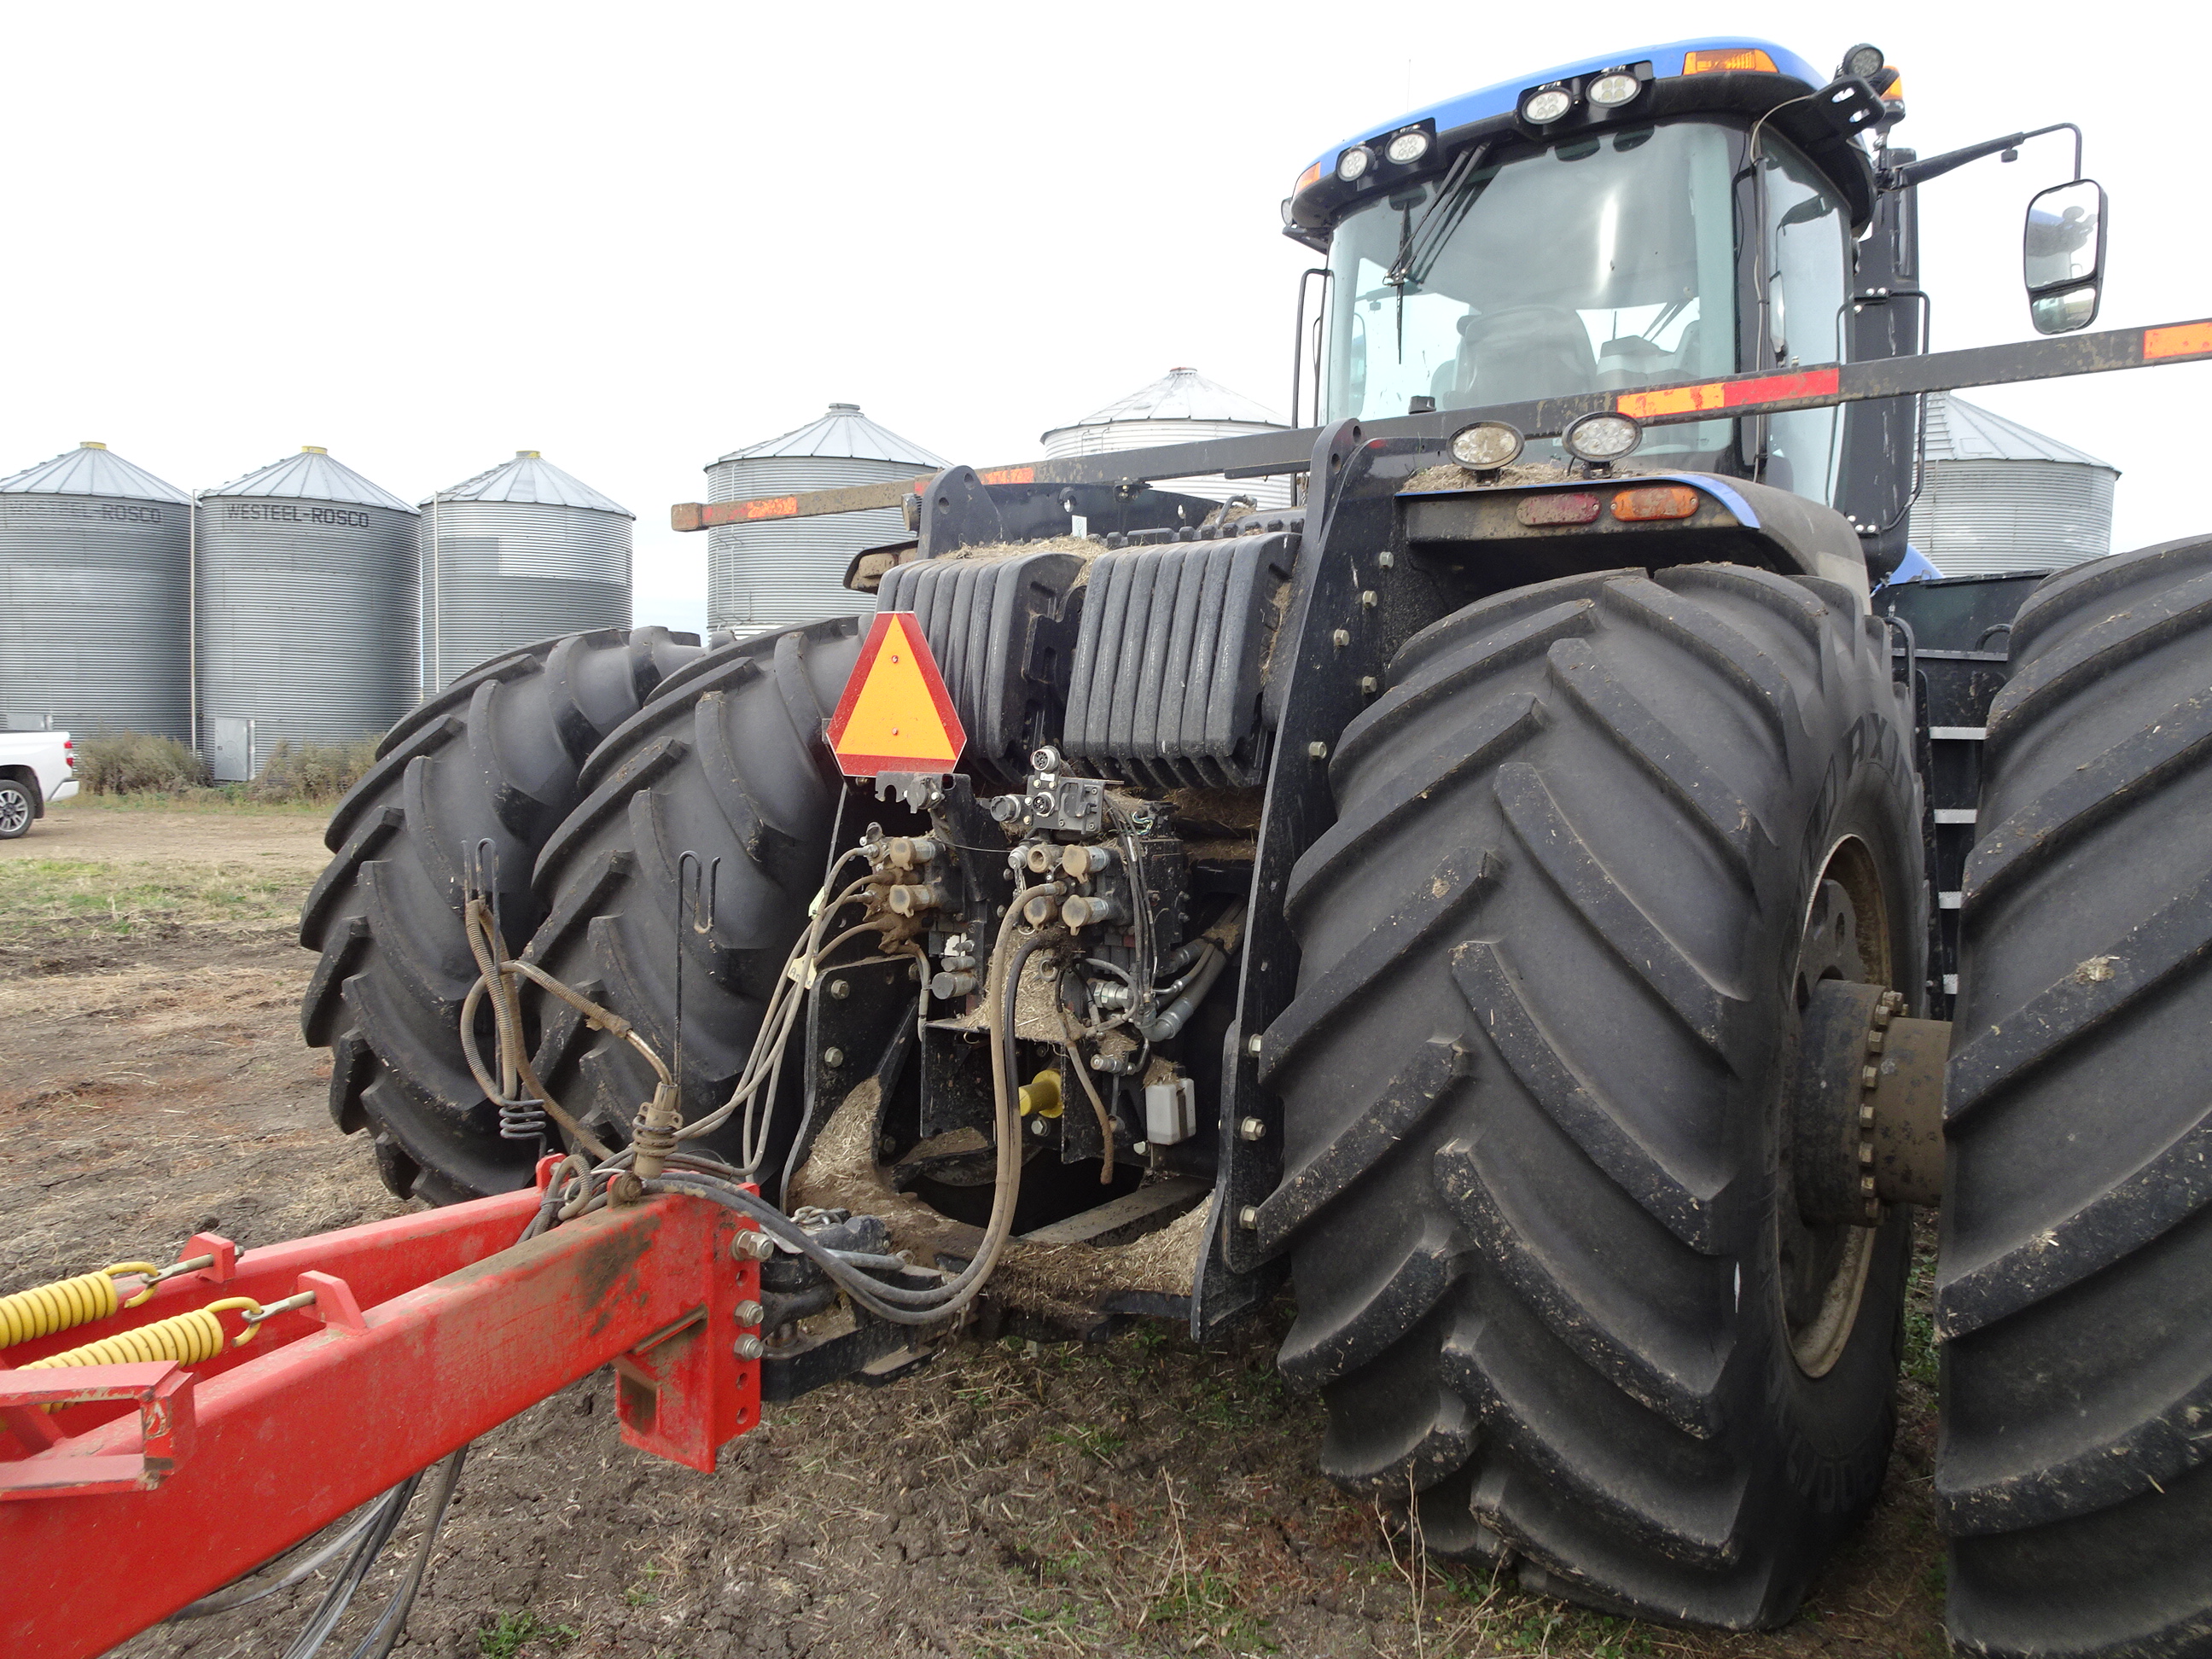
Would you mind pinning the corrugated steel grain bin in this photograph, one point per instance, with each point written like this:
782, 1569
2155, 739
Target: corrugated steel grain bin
93, 555
306, 608
518, 554
1996, 496
789, 570
1182, 407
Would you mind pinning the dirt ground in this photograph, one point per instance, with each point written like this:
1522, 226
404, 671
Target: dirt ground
1137, 1496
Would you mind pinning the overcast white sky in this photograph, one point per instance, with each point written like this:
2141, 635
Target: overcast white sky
635, 237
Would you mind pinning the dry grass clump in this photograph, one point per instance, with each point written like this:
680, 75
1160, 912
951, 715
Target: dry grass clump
313, 772
296, 774
134, 762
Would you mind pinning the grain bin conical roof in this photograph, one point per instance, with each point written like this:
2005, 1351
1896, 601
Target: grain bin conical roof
1184, 394
1960, 431
91, 469
843, 433
312, 475
530, 478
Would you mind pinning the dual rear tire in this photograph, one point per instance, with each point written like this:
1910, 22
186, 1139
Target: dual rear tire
569, 778
1552, 1283
462, 793
2074, 1294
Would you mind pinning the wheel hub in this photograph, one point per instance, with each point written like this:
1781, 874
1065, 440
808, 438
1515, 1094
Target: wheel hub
1862, 1117
1866, 1113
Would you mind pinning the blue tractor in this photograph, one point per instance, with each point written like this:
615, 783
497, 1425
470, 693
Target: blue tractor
1524, 901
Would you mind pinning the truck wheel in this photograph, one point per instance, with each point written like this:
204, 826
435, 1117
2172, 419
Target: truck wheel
2073, 1296
1595, 846
494, 756
17, 809
729, 763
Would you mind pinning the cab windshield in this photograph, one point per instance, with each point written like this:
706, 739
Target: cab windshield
1605, 263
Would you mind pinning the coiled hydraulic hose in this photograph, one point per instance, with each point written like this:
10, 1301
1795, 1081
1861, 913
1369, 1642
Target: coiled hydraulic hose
577, 1188
187, 1338
45, 1308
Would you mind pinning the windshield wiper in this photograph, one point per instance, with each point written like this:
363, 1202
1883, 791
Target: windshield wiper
1427, 235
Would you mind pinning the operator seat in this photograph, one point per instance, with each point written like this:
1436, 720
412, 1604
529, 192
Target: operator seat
1522, 352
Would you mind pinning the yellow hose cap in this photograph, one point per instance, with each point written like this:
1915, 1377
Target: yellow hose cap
1040, 1096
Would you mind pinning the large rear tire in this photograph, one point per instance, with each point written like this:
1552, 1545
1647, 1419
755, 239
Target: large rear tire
493, 758
730, 763
2073, 1296
1593, 845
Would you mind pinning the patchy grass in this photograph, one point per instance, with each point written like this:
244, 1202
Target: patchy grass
124, 898
1092, 1438
642, 1593
228, 800
1920, 1364
514, 1632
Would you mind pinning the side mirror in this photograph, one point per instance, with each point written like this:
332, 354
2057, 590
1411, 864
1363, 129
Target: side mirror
2062, 256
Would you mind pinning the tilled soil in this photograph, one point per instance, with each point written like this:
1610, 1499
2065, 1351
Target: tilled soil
1136, 1497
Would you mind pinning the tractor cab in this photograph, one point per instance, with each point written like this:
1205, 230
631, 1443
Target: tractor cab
1699, 210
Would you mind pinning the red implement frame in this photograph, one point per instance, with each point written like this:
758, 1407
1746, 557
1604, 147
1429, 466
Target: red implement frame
435, 1328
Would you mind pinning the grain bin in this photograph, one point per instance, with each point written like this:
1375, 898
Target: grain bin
762, 575
1997, 497
521, 553
94, 554
1182, 407
306, 608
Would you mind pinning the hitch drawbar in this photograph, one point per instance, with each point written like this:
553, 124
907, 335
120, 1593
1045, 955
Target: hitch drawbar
421, 1333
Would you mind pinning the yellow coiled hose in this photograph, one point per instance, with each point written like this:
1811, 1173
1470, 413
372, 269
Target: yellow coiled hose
187, 1338
45, 1308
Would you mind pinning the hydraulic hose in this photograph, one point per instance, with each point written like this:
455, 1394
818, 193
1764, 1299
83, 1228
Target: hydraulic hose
1097, 1106
1173, 1018
577, 1189
895, 1304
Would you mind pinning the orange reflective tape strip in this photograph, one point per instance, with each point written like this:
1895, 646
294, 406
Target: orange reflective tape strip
774, 506
1773, 388
1009, 474
1729, 394
896, 715
1676, 400
2181, 340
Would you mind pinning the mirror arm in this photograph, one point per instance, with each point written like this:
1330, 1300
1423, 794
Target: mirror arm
1919, 173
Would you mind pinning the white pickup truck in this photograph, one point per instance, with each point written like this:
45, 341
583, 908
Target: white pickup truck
36, 767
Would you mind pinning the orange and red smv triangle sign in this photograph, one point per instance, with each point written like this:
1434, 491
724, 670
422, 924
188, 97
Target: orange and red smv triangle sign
896, 715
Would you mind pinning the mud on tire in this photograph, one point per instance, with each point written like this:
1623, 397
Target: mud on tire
1537, 1199
2074, 1298
729, 761
495, 756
